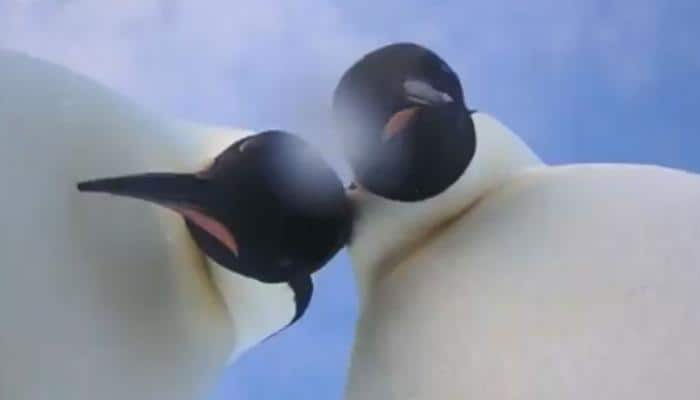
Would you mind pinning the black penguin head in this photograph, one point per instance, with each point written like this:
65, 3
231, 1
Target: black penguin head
268, 207
406, 128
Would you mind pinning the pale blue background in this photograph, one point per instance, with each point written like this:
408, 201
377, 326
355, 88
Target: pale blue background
578, 80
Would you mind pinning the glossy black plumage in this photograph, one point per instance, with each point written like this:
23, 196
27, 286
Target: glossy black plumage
436, 145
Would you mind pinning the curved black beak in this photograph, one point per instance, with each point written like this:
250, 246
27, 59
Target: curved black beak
167, 189
189, 195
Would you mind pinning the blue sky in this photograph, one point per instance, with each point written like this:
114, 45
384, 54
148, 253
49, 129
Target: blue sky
580, 81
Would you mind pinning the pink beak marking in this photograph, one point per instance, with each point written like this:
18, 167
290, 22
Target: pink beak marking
209, 224
398, 122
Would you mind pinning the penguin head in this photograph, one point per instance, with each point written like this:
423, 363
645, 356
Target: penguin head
268, 207
401, 112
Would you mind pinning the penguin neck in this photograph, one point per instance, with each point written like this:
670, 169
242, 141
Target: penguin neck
387, 232
256, 310
225, 311
204, 312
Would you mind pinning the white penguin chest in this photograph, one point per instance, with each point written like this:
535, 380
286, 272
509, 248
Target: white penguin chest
573, 283
100, 298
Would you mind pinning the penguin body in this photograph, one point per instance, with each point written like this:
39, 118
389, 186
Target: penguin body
564, 282
514, 280
104, 297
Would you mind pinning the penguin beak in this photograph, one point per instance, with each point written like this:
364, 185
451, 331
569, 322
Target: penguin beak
187, 194
420, 94
399, 122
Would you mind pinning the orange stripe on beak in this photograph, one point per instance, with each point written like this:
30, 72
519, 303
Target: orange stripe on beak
399, 122
210, 225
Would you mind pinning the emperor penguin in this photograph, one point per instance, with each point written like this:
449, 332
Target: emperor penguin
104, 298
486, 274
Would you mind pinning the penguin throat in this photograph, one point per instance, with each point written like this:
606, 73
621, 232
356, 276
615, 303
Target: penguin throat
257, 310
392, 260
386, 233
